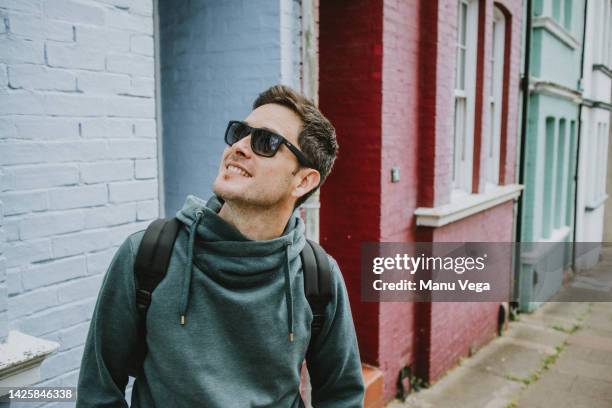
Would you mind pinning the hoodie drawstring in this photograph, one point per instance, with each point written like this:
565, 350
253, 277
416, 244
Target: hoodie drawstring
288, 294
188, 265
188, 271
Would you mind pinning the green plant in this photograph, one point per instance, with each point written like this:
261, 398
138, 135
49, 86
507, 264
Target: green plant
568, 330
417, 384
512, 404
546, 363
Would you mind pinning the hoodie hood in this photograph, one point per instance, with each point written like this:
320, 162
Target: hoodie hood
234, 261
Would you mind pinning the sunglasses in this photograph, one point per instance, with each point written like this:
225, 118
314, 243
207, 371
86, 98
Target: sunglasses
263, 142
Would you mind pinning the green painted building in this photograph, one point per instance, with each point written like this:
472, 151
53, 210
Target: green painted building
549, 147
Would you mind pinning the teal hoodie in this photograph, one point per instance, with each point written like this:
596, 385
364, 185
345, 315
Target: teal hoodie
219, 325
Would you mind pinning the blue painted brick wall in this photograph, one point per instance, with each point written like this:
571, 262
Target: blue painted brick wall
216, 57
78, 154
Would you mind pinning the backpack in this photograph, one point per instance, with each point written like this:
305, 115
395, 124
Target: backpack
152, 260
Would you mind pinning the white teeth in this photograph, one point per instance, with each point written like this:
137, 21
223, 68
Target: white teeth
237, 170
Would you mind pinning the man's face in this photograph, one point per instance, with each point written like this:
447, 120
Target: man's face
270, 180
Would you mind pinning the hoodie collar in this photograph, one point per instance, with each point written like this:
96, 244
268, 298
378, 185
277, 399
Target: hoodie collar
213, 242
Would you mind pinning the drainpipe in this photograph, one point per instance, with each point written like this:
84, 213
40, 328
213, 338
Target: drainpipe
525, 106
580, 106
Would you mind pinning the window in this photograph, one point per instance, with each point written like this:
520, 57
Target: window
571, 183
556, 10
549, 177
558, 181
465, 83
597, 164
606, 51
602, 158
567, 15
603, 32
562, 13
493, 138
561, 176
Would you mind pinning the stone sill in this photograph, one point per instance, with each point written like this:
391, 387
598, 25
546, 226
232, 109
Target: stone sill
557, 237
553, 89
20, 359
557, 30
592, 206
603, 68
465, 206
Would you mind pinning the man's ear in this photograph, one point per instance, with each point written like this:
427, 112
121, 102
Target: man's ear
308, 180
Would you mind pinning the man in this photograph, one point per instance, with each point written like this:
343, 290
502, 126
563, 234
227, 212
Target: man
229, 325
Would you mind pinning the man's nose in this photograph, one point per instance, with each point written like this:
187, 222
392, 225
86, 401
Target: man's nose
243, 146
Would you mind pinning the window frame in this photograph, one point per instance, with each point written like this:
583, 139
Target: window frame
493, 137
463, 144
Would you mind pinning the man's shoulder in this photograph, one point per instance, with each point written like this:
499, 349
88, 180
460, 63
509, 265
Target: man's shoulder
133, 241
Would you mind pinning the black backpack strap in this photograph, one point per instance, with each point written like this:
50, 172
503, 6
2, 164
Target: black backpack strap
317, 284
150, 267
153, 258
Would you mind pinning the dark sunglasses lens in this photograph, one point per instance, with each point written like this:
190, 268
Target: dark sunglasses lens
265, 143
235, 132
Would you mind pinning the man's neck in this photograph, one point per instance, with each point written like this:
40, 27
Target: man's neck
256, 223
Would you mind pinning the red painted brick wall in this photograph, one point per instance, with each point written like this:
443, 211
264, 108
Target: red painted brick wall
400, 130
513, 9
350, 70
440, 110
457, 326
449, 328
386, 83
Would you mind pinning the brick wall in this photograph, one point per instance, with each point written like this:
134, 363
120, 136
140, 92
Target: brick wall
451, 329
401, 114
350, 95
78, 153
457, 327
400, 134
3, 288
216, 57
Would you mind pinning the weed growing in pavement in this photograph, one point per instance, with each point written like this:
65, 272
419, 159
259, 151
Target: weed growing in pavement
568, 330
512, 404
417, 384
546, 363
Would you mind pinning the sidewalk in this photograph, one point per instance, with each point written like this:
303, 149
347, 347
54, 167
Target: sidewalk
559, 356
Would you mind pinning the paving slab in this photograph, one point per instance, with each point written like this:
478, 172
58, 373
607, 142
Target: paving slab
559, 356
586, 369
512, 361
465, 387
537, 334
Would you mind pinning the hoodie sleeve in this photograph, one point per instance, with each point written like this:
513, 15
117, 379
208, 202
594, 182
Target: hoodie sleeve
112, 336
333, 363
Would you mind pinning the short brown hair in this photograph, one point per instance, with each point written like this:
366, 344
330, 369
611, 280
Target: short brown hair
317, 140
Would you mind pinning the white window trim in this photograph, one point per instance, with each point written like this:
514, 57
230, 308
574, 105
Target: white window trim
603, 32
469, 204
557, 30
492, 140
598, 149
463, 156
550, 11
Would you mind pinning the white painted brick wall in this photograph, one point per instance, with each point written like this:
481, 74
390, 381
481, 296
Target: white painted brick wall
3, 288
78, 160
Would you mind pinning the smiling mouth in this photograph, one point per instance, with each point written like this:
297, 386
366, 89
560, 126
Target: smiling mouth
237, 170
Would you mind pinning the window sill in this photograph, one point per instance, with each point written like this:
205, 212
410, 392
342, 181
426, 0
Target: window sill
20, 359
554, 89
557, 235
465, 206
592, 206
601, 67
540, 249
557, 30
